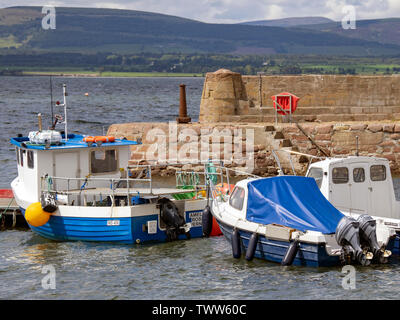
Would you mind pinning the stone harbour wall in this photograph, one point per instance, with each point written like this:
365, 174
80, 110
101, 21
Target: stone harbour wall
229, 97
335, 139
333, 110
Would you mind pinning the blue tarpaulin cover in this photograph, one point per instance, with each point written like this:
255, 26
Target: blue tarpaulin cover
291, 201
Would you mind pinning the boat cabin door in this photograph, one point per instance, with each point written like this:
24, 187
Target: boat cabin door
350, 188
359, 188
381, 190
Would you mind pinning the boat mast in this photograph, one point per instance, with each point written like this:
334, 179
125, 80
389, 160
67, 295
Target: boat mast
65, 110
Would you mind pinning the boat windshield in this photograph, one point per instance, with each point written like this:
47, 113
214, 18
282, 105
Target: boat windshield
317, 174
237, 198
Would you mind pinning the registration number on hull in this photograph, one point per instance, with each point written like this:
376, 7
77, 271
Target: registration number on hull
112, 222
196, 218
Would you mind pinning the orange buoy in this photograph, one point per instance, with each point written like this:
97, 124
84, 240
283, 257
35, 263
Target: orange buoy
224, 188
99, 139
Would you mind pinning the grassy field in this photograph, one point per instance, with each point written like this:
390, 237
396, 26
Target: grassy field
149, 74
83, 73
366, 69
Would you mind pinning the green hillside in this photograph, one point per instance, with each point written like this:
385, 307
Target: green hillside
385, 31
90, 30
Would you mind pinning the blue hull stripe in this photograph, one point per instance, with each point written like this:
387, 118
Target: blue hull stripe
129, 230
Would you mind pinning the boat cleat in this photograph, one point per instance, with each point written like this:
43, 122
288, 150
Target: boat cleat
186, 227
387, 253
369, 256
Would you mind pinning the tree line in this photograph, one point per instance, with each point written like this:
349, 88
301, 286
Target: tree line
196, 63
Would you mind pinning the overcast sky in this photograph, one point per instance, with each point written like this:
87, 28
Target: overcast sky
231, 11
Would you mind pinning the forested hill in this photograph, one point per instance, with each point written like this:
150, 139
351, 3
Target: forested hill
90, 30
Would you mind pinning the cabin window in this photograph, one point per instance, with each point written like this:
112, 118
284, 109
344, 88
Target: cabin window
103, 161
317, 174
21, 157
358, 175
378, 173
237, 198
340, 175
31, 163
17, 152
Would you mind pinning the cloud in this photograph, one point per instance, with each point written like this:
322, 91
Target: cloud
231, 11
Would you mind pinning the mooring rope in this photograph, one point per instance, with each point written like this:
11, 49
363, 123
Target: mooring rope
8, 207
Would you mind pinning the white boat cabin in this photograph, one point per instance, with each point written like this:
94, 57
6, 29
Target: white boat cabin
357, 185
69, 163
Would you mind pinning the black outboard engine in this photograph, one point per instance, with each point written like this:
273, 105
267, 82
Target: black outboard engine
48, 202
172, 219
347, 235
367, 226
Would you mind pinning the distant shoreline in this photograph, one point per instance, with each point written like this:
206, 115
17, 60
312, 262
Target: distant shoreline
108, 74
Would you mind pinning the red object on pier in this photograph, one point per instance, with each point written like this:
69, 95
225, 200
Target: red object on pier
285, 100
6, 194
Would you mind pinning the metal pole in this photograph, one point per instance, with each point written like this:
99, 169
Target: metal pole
227, 180
67, 191
151, 185
112, 193
357, 146
127, 187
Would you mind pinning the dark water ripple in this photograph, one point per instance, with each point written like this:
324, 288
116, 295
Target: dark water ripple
195, 269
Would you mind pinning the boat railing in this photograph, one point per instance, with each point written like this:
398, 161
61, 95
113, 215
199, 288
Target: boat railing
63, 186
213, 182
289, 154
78, 190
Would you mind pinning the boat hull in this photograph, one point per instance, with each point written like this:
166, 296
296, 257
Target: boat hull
116, 230
394, 244
312, 255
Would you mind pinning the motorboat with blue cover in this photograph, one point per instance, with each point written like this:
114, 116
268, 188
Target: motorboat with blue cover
286, 219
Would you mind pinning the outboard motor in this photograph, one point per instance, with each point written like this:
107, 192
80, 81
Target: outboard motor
48, 202
367, 226
173, 220
347, 235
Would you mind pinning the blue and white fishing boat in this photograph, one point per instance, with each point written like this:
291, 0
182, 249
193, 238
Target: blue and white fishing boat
75, 187
286, 219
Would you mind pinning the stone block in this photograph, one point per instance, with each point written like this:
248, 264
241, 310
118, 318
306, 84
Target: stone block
348, 138
375, 127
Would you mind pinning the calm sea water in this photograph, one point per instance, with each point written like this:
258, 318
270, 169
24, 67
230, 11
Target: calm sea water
194, 269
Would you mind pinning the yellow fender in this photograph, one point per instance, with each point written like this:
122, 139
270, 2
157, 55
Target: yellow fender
35, 215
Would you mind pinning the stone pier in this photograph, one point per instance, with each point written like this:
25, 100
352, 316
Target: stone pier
332, 111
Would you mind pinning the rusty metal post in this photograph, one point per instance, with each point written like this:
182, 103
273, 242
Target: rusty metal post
183, 118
